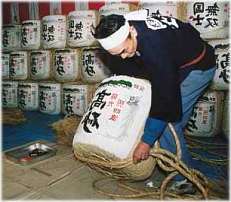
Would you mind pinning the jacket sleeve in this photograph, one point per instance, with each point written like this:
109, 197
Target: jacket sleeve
153, 130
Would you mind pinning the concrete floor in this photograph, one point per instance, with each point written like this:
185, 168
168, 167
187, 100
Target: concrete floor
59, 177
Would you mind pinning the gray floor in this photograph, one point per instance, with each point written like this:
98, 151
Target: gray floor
59, 177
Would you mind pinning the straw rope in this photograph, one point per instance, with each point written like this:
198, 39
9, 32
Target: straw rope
137, 193
206, 146
13, 116
166, 160
210, 144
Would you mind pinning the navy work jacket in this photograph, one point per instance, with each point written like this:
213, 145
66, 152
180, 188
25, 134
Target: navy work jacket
161, 50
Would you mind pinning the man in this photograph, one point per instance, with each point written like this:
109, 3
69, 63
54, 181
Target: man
177, 62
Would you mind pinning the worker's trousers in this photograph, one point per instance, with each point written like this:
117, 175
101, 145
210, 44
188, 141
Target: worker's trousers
191, 89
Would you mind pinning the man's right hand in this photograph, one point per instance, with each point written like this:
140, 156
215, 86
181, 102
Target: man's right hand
141, 152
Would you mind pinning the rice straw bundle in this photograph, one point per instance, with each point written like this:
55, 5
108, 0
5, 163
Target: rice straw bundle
13, 116
65, 129
110, 165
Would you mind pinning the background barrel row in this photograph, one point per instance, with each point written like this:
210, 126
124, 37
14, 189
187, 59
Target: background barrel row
51, 63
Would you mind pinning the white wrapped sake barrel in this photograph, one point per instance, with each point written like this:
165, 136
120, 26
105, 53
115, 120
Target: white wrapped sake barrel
66, 65
221, 78
210, 18
31, 32
40, 65
5, 65
225, 117
10, 94
116, 8
80, 24
50, 98
11, 37
155, 9
93, 69
28, 96
54, 31
19, 65
113, 125
75, 98
205, 120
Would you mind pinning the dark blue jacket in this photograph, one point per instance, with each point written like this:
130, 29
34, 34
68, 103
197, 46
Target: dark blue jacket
161, 53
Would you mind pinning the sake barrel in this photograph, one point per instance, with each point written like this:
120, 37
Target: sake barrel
80, 25
114, 123
205, 120
31, 32
10, 94
50, 98
116, 8
40, 65
19, 65
66, 65
155, 9
93, 69
28, 96
221, 78
54, 31
75, 98
225, 117
11, 37
210, 18
5, 65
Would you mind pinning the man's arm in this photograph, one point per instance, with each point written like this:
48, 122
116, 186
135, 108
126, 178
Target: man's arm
152, 131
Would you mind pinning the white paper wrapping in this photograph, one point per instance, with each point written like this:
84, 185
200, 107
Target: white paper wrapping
116, 116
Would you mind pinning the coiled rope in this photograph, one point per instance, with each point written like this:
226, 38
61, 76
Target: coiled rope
166, 160
209, 148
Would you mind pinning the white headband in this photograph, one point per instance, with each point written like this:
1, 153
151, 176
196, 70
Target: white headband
116, 38
121, 34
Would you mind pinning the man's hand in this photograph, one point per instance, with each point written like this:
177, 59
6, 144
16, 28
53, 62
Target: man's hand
141, 152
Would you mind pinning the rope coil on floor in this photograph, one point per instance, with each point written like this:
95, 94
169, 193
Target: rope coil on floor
166, 160
220, 160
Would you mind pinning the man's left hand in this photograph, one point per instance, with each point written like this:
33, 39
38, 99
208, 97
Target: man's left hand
141, 152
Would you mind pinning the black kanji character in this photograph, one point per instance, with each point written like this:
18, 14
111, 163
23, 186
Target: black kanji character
225, 63
24, 38
211, 22
5, 38
33, 65
78, 35
71, 33
44, 35
90, 70
92, 122
99, 100
198, 19
198, 8
78, 26
51, 38
51, 29
212, 10
71, 24
22, 96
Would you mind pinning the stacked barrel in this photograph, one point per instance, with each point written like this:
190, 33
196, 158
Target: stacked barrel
210, 116
53, 65
37, 61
